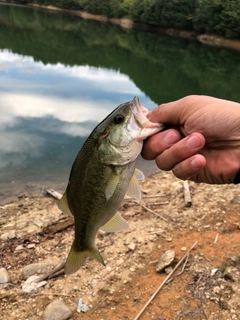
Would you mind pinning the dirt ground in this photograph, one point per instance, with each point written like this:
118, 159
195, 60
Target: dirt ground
203, 287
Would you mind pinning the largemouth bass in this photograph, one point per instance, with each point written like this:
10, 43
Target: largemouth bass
102, 173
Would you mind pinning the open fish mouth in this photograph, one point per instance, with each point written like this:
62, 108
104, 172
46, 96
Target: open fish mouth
140, 116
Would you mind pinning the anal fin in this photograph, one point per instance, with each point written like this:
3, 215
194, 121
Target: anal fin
115, 224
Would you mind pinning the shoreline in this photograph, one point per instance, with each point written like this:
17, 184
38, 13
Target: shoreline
206, 39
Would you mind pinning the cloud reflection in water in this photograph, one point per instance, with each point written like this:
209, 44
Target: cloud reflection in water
47, 107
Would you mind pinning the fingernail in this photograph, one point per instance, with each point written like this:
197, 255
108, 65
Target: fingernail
195, 164
194, 142
171, 137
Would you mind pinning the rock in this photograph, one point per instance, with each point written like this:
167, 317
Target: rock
19, 248
232, 273
131, 246
35, 268
4, 236
165, 260
56, 310
214, 271
168, 270
4, 276
12, 234
233, 260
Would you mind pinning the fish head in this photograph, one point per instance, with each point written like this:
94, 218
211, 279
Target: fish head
120, 135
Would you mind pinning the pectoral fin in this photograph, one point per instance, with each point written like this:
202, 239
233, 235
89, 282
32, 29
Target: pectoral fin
134, 189
116, 223
76, 258
111, 186
139, 175
63, 205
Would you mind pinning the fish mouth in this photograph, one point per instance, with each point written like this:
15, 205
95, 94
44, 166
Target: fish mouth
147, 128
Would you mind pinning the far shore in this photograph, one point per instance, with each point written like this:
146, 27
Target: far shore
208, 39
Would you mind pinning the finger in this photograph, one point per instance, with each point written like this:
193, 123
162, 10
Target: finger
180, 151
159, 142
190, 167
175, 112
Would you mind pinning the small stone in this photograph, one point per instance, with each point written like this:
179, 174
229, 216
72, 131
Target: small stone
232, 273
165, 260
169, 239
133, 269
31, 245
213, 271
131, 246
233, 260
153, 238
4, 276
56, 310
183, 249
19, 248
216, 289
120, 261
4, 236
34, 268
75, 288
12, 234
168, 270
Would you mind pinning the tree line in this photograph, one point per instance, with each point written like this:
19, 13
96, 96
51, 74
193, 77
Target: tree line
205, 16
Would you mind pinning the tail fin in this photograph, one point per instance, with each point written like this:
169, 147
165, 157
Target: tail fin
76, 258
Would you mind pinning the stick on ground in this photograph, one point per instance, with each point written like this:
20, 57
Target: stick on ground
187, 195
163, 283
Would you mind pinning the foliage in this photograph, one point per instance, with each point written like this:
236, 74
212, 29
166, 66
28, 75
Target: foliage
206, 16
218, 16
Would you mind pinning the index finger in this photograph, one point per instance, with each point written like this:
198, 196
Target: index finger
175, 112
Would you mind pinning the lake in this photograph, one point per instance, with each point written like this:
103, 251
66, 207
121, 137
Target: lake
60, 75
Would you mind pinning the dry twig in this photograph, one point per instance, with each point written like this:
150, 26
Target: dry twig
216, 239
155, 213
54, 194
56, 271
163, 283
187, 195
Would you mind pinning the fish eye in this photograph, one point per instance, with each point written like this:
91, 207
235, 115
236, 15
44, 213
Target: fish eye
119, 118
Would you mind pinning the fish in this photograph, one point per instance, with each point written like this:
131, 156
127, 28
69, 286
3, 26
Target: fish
102, 173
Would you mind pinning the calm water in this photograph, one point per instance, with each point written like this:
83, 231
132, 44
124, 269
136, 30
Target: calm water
60, 75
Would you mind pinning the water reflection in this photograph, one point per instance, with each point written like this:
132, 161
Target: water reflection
47, 111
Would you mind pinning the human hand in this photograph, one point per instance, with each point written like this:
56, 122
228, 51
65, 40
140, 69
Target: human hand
202, 139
